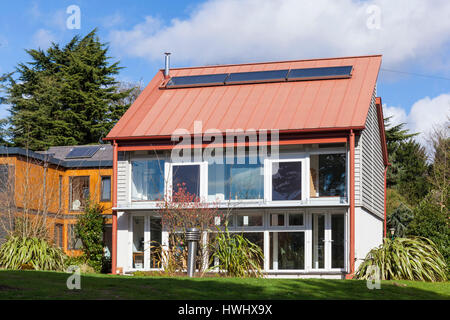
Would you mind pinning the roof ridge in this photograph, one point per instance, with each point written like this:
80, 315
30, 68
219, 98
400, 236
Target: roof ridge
272, 62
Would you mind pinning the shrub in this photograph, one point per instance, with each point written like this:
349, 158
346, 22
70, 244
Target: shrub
432, 221
405, 259
31, 253
89, 229
399, 219
237, 256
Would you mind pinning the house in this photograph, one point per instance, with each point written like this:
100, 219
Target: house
56, 184
296, 148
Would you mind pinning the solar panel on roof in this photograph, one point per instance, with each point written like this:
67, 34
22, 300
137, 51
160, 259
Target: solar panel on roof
257, 76
82, 152
320, 73
199, 80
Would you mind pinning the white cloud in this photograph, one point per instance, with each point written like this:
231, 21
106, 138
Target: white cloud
112, 20
425, 115
43, 38
221, 31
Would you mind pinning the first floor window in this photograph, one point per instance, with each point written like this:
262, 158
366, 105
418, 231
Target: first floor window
79, 193
286, 180
328, 175
147, 180
186, 177
238, 178
5, 178
106, 189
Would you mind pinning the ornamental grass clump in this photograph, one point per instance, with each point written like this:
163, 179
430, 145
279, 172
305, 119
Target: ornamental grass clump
405, 259
237, 256
31, 253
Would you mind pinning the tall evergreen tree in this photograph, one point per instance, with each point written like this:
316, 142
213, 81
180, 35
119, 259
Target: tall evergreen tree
412, 175
395, 135
65, 96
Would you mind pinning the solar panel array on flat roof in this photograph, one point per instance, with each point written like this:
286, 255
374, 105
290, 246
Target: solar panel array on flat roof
198, 80
82, 152
260, 77
257, 76
320, 73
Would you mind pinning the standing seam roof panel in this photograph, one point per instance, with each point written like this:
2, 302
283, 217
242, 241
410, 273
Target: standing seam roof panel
296, 105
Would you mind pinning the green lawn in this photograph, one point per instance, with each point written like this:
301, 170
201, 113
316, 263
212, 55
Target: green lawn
52, 285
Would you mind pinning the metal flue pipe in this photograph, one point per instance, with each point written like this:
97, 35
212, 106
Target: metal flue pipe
167, 65
192, 237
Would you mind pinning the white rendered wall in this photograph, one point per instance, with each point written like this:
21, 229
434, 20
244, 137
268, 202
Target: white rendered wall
368, 233
122, 241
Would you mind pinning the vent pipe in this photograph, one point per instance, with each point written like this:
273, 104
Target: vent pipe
167, 65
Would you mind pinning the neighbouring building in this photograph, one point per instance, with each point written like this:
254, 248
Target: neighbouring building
296, 148
56, 184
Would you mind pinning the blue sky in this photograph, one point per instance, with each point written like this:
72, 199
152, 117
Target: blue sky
413, 36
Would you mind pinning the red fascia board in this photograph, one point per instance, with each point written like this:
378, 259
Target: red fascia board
295, 131
381, 127
241, 144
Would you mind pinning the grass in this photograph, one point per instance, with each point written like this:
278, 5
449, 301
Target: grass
52, 285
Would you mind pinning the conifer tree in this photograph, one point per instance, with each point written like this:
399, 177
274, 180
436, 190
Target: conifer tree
65, 95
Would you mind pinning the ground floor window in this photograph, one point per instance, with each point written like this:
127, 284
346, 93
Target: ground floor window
73, 242
287, 250
58, 235
305, 240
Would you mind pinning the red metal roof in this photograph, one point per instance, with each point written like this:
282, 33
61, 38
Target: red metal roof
286, 106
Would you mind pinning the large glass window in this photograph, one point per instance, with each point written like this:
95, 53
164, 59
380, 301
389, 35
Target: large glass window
147, 180
79, 193
286, 180
287, 250
328, 175
186, 177
236, 179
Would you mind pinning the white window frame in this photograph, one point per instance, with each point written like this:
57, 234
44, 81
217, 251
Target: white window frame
203, 178
147, 237
268, 164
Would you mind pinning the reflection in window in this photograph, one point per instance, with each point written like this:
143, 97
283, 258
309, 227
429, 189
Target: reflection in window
236, 179
73, 242
155, 241
338, 243
276, 220
250, 220
286, 181
328, 176
106, 189
79, 193
186, 177
287, 250
147, 180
